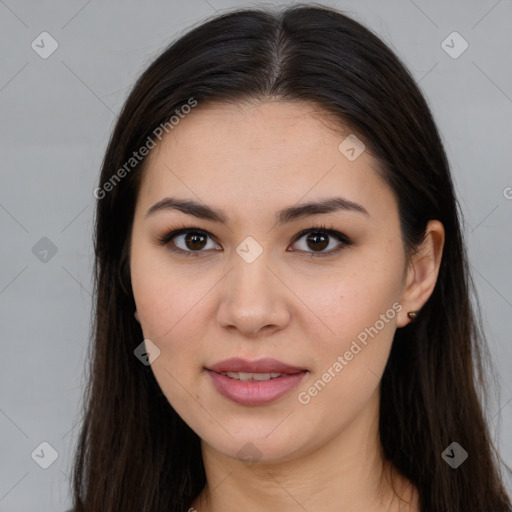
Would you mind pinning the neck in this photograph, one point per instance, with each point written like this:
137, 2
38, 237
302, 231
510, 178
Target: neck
348, 473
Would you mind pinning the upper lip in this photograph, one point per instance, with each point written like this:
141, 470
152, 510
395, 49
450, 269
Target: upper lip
266, 365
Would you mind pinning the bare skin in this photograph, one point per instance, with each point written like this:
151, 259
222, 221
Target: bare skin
321, 452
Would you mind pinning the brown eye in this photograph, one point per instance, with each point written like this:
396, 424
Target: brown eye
190, 242
187, 241
195, 241
317, 240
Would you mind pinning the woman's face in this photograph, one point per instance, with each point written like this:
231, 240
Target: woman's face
325, 309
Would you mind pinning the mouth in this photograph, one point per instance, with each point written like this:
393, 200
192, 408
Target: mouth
259, 366
247, 377
254, 382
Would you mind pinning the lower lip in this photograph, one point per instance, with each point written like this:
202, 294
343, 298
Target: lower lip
255, 392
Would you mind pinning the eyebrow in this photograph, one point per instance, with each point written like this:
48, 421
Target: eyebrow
202, 211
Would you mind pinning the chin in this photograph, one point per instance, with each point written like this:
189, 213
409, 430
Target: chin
266, 443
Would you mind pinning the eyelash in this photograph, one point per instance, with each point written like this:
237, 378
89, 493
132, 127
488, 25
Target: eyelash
185, 229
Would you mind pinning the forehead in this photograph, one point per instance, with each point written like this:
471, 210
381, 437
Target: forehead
264, 151
270, 127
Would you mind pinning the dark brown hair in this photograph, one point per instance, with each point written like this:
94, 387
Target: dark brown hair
135, 454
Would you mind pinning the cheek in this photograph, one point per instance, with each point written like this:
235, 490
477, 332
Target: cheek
349, 300
169, 305
166, 299
358, 311
349, 363
174, 309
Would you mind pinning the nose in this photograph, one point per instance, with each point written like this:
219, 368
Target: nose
254, 299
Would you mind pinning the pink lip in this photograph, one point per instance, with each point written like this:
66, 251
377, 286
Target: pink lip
255, 392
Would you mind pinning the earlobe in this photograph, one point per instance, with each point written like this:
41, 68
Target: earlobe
136, 315
422, 272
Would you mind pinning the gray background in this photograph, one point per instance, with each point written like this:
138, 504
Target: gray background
57, 114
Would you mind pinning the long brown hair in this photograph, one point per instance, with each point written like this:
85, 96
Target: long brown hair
135, 454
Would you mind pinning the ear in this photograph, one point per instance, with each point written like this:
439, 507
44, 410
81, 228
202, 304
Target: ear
422, 272
136, 315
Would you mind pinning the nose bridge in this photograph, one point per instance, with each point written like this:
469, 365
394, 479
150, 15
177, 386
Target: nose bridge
251, 299
250, 272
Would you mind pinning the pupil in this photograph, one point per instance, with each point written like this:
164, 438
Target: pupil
193, 238
315, 237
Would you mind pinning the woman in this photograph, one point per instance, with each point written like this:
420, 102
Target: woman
283, 316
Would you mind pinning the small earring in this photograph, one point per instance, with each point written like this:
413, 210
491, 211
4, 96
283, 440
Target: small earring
412, 315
